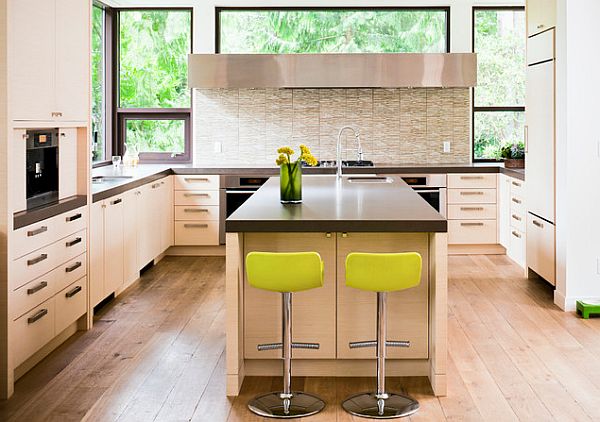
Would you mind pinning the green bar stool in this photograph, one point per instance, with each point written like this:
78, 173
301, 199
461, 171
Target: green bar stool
382, 273
285, 273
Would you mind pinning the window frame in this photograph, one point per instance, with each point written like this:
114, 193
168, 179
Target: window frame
120, 115
474, 108
220, 9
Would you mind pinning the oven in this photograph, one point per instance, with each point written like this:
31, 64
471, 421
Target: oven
431, 187
235, 190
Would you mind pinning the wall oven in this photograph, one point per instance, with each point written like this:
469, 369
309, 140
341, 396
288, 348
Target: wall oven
41, 167
235, 190
431, 187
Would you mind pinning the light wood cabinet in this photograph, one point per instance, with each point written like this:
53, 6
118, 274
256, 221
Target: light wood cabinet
541, 247
196, 212
541, 15
131, 271
49, 56
67, 169
504, 210
96, 252
114, 246
165, 193
149, 219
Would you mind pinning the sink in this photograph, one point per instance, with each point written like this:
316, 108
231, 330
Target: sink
346, 163
102, 179
370, 180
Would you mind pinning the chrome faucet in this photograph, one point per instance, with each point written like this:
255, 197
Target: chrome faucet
339, 148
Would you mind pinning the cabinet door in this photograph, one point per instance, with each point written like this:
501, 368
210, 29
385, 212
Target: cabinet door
539, 157
407, 317
540, 247
96, 252
67, 158
31, 59
166, 223
148, 228
541, 15
130, 245
313, 311
113, 245
504, 211
72, 60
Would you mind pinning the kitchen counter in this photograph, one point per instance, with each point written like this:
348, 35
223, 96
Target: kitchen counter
338, 206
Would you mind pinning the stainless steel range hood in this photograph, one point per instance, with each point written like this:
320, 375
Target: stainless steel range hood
332, 70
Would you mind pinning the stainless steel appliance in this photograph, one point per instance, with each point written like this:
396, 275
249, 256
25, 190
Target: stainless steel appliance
41, 167
235, 191
431, 187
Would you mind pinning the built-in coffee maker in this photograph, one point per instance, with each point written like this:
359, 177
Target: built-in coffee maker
42, 167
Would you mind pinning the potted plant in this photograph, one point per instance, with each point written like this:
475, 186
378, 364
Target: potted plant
513, 154
290, 175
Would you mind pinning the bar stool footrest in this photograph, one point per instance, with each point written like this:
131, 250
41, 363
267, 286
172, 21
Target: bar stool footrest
279, 346
373, 343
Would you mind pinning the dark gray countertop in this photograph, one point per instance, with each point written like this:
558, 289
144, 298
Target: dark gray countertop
146, 173
332, 206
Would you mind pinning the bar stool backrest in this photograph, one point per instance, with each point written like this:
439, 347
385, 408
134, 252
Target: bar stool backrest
383, 272
284, 272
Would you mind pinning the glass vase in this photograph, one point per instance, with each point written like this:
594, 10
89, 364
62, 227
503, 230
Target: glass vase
290, 179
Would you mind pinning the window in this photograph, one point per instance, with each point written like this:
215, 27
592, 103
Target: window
100, 149
499, 98
320, 30
154, 103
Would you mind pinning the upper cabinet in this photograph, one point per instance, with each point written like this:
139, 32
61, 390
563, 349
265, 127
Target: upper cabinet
541, 15
49, 60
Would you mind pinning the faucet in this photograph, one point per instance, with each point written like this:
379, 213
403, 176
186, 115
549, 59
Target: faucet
339, 148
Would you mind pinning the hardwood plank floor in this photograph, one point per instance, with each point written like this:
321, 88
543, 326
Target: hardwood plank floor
157, 353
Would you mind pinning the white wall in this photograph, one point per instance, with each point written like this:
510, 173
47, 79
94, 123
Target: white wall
578, 153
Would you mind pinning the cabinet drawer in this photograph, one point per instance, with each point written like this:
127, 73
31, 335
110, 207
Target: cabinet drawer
517, 221
516, 246
471, 196
540, 247
196, 182
32, 331
197, 197
517, 187
472, 232
196, 233
35, 236
197, 213
33, 293
517, 204
472, 212
480, 181
70, 271
70, 304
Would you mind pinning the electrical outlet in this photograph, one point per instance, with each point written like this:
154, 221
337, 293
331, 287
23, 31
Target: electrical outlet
446, 147
217, 147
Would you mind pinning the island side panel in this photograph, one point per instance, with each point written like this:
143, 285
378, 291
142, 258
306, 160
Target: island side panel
407, 311
438, 263
234, 302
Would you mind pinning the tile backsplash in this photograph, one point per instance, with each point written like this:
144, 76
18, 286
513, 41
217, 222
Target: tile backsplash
404, 125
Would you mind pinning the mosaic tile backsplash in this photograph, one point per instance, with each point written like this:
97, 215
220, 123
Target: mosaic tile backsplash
403, 126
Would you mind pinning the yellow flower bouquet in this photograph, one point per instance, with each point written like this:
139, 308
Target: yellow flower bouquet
290, 175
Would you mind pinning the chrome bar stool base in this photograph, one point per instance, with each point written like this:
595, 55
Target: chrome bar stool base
273, 405
367, 405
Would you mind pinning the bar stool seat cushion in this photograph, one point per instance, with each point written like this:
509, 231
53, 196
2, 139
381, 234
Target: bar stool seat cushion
284, 271
383, 272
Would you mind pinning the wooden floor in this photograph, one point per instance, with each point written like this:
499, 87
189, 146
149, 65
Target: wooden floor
157, 353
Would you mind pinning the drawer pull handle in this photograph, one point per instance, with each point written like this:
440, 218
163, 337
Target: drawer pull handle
471, 177
74, 217
516, 201
37, 288
116, 201
41, 230
40, 258
195, 210
155, 185
37, 316
516, 217
471, 224
206, 195
471, 208
73, 267
517, 184
73, 292
195, 226
471, 193
537, 223
517, 235
194, 179
73, 242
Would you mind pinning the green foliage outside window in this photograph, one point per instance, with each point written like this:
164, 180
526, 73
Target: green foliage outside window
156, 135
98, 104
500, 47
342, 31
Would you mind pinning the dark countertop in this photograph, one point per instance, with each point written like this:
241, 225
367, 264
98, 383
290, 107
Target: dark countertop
146, 173
332, 206
27, 217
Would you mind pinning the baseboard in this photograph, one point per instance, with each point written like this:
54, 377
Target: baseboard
569, 304
196, 250
491, 249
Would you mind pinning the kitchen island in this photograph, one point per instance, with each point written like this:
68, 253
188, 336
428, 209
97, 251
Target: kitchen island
336, 217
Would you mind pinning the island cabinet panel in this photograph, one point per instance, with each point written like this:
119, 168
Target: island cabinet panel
313, 311
407, 311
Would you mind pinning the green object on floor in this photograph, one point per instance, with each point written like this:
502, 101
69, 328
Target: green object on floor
587, 309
